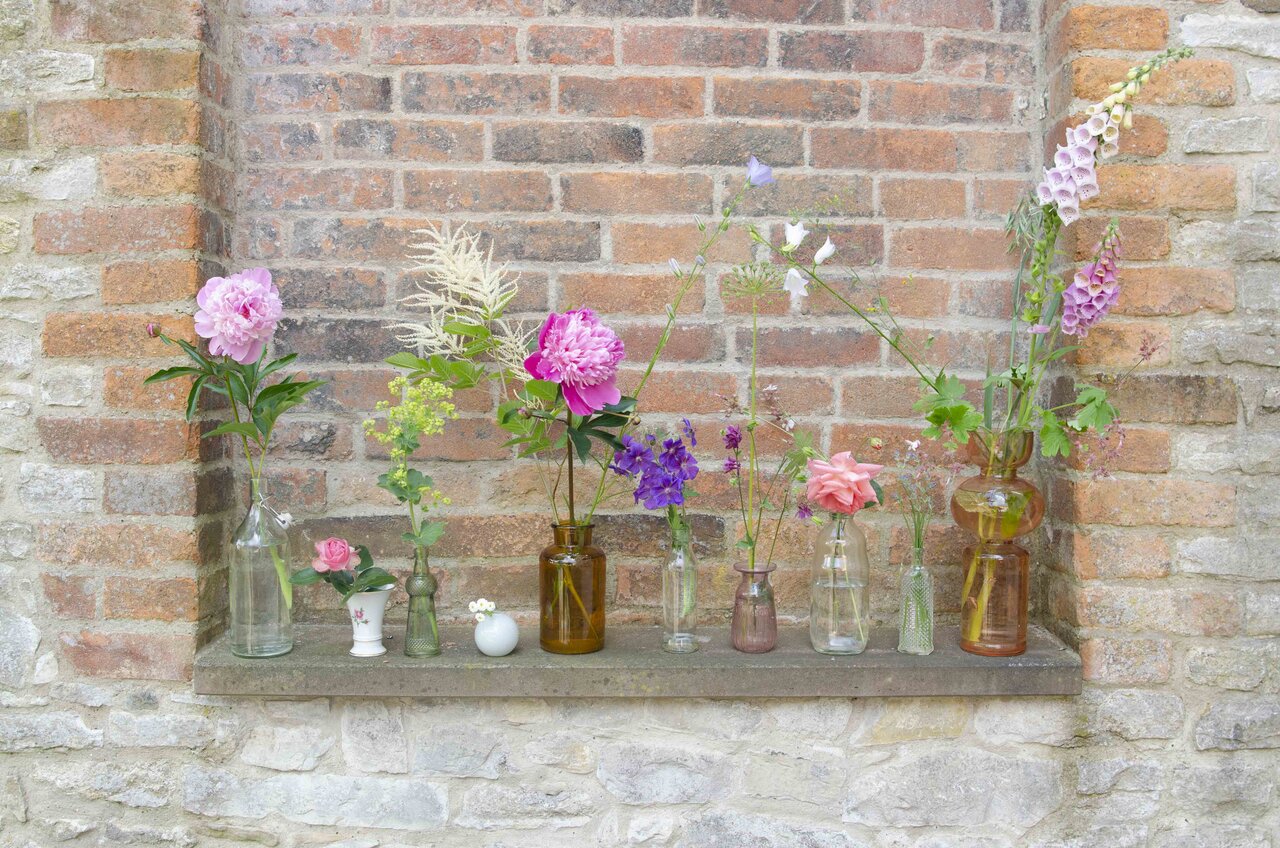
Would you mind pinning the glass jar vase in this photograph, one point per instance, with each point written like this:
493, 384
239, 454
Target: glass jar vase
422, 635
754, 629
915, 612
571, 583
839, 618
997, 507
680, 594
260, 595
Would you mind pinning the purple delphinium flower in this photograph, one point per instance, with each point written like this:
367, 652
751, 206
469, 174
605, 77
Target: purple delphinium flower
676, 459
758, 173
687, 429
732, 437
633, 458
659, 489
731, 465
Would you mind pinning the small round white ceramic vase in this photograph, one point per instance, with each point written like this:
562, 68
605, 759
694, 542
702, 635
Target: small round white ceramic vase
497, 635
366, 609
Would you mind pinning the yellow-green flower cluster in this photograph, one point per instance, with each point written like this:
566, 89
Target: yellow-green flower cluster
423, 408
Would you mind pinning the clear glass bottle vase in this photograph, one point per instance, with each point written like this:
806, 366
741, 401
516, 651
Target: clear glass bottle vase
422, 634
680, 594
839, 620
258, 576
915, 619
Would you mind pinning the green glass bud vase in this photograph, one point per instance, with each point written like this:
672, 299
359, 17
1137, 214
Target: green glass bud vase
422, 635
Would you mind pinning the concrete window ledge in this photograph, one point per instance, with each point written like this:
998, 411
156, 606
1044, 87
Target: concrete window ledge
632, 665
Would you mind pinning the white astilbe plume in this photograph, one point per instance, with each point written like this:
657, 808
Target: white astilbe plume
460, 284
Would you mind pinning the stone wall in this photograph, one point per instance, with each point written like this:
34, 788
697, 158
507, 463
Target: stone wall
146, 145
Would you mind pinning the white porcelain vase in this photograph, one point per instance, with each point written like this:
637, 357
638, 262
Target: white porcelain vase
497, 635
366, 610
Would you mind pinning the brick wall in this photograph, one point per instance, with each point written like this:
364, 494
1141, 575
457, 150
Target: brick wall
146, 146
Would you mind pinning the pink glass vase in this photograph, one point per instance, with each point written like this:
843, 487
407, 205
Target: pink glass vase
755, 618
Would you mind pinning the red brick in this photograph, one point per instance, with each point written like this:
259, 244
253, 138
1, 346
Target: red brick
688, 343
682, 392
142, 174
466, 439
477, 191
166, 656
1103, 555
117, 123
922, 199
92, 20
955, 14
123, 389
643, 294
939, 103
273, 94
331, 288
477, 93
866, 396
299, 44
152, 281
950, 248
997, 197
546, 240
1174, 291
92, 441
621, 97
354, 239
1113, 28
1177, 399
627, 8
801, 395
728, 143
850, 195
288, 142
150, 599
328, 189
994, 151
429, 44
560, 141
420, 141
70, 596
151, 70
989, 61
629, 193
856, 244
781, 11
656, 243
570, 45
103, 334
696, 46
117, 230
1144, 237
1202, 82
860, 51
884, 149
1116, 344
910, 297
1145, 451
811, 347
802, 99
1181, 186
451, 8
1137, 502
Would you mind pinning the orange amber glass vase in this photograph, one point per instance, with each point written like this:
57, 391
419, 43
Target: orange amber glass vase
571, 588
996, 506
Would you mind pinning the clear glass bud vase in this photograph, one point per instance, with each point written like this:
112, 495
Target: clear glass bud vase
838, 616
680, 595
258, 574
422, 635
915, 623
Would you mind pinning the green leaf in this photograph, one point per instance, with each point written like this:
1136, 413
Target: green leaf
543, 390
428, 534
366, 558
172, 374
236, 385
240, 428
1095, 411
1053, 439
460, 328
581, 444
305, 577
409, 361
193, 396
370, 579
276, 364
196, 356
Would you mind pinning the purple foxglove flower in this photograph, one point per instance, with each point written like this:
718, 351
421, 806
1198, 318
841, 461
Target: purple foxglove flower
1038, 329
1062, 158
1108, 149
1069, 212
1044, 194
732, 437
758, 173
1081, 156
1097, 123
1111, 133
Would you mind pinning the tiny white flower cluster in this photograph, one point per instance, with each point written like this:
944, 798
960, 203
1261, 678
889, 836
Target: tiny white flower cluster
481, 608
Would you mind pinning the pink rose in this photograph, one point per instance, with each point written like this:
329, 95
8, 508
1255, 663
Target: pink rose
334, 554
843, 484
582, 355
238, 314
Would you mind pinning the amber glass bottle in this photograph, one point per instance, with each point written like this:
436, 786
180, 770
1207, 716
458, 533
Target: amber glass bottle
998, 507
571, 587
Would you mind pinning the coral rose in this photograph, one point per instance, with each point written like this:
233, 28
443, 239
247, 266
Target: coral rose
843, 484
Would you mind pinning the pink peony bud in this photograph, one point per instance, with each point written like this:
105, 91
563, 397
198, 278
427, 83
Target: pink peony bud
152, 330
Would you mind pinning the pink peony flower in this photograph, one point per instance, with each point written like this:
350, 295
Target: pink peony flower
334, 554
238, 314
582, 355
843, 484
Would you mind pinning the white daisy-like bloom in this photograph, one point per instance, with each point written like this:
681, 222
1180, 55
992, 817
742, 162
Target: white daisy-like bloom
795, 233
286, 518
473, 606
913, 444
479, 617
